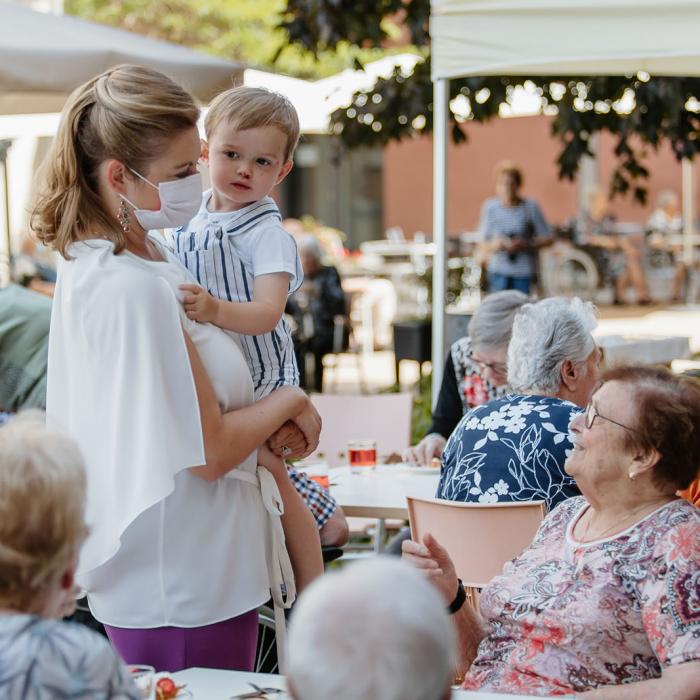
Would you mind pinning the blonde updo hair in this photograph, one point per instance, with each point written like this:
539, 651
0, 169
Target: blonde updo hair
128, 113
42, 509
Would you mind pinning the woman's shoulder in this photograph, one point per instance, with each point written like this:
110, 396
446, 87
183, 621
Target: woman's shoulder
95, 272
667, 540
462, 346
673, 518
558, 406
65, 645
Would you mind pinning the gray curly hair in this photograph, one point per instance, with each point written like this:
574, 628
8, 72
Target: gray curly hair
545, 335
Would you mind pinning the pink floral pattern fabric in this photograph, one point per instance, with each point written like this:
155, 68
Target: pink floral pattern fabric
568, 617
473, 389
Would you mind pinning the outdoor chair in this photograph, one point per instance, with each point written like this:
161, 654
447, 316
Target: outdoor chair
384, 418
480, 537
344, 343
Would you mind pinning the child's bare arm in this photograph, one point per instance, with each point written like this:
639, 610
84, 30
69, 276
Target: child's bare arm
254, 317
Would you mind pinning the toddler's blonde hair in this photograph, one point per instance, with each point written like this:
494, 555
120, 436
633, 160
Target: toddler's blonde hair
251, 108
128, 113
42, 510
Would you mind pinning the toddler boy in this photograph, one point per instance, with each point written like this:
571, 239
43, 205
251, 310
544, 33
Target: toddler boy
235, 246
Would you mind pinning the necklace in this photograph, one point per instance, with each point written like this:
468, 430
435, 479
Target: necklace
632, 513
579, 565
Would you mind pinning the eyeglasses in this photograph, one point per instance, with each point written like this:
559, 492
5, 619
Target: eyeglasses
592, 413
496, 367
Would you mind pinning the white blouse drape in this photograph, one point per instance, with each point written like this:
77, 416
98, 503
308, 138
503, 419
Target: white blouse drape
165, 547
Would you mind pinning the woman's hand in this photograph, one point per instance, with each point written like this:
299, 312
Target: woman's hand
434, 560
430, 447
309, 422
288, 442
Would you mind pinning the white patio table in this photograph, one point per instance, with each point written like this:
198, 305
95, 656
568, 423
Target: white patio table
381, 493
645, 350
212, 684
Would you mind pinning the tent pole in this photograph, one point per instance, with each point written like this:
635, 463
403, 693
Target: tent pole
4, 148
688, 210
440, 96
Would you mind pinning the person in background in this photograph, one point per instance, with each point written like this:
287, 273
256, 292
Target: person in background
24, 347
665, 223
512, 230
604, 602
42, 526
318, 309
618, 255
514, 448
34, 266
376, 629
475, 371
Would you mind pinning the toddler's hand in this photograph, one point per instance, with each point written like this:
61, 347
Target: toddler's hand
199, 304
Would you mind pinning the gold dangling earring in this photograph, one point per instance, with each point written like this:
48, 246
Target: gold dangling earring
124, 216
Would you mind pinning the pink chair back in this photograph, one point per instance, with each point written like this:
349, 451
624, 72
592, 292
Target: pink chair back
385, 418
480, 537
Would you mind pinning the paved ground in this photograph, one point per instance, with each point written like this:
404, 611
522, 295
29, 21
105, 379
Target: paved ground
658, 320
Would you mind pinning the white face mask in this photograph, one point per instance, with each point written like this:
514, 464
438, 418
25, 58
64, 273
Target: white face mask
179, 202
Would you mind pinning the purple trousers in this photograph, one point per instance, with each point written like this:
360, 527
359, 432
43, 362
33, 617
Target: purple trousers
228, 645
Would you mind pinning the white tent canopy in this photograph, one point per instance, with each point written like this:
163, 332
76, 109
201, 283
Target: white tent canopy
568, 37
44, 57
546, 37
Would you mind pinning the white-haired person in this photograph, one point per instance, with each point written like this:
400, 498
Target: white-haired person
375, 630
604, 602
513, 448
475, 371
42, 526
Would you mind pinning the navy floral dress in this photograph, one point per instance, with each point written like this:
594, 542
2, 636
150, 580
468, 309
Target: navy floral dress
510, 449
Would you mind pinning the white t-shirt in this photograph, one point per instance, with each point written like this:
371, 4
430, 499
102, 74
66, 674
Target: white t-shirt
226, 251
166, 547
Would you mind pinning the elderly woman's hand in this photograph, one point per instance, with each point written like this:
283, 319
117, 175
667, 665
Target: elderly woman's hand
429, 448
288, 442
435, 561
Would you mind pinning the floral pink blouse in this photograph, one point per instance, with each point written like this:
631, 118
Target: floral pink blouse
567, 617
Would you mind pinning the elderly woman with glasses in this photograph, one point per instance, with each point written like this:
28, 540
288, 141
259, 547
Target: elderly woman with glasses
606, 600
475, 371
514, 447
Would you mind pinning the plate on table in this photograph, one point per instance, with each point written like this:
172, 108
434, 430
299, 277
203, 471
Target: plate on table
413, 469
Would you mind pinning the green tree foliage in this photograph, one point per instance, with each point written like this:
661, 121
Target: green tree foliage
640, 111
241, 30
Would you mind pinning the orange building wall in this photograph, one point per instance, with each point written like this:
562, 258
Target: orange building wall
408, 172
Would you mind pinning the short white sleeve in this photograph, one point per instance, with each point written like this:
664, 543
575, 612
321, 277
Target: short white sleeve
272, 249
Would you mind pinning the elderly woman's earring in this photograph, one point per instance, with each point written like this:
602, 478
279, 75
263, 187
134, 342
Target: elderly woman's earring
632, 475
124, 216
